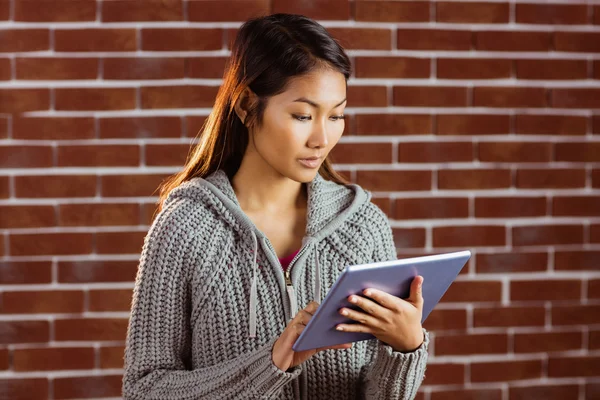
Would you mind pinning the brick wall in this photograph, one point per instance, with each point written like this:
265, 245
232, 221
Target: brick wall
475, 124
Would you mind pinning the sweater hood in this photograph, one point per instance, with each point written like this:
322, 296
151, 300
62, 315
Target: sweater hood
329, 205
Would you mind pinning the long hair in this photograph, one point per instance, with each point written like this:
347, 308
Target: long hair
267, 52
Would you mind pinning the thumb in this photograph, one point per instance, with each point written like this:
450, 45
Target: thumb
416, 291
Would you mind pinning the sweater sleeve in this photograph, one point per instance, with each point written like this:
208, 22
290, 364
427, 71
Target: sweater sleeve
158, 344
391, 374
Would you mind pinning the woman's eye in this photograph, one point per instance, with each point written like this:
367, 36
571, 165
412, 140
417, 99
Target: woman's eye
338, 117
302, 117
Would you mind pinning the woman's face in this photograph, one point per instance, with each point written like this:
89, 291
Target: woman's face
304, 121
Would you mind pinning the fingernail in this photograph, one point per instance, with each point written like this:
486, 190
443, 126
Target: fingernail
339, 328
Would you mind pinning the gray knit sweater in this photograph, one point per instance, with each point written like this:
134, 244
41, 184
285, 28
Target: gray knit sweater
210, 299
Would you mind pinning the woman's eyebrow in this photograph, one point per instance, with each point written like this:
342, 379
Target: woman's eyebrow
312, 103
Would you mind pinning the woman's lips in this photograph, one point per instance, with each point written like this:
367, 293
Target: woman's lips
310, 162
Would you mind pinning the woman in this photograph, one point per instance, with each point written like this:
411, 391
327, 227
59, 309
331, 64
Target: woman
258, 226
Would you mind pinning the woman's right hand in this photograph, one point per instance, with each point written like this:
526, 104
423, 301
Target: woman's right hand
283, 356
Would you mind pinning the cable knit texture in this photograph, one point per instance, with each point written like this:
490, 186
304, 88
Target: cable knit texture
190, 334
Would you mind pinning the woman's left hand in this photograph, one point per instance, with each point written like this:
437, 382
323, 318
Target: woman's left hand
392, 320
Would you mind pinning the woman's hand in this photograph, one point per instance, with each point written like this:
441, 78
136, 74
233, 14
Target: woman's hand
390, 319
283, 356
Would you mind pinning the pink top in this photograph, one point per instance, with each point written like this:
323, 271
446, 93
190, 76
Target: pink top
285, 261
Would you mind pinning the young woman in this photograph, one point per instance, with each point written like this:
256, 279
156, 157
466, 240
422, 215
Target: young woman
254, 231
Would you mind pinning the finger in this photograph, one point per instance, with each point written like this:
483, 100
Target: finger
312, 307
354, 328
359, 316
385, 300
416, 292
368, 305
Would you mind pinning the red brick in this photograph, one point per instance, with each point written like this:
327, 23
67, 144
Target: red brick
91, 39
96, 271
97, 214
27, 216
4, 360
473, 68
474, 179
180, 39
496, 262
434, 39
547, 235
551, 69
575, 98
515, 152
148, 10
178, 96
112, 356
469, 236
596, 12
593, 289
226, 10
4, 190
394, 180
68, 99
445, 374
502, 371
131, 185
594, 339
12, 332
435, 152
550, 290
426, 208
409, 237
21, 40
476, 124
100, 155
575, 315
393, 124
581, 206
362, 153
88, 329
514, 97
546, 14
508, 316
467, 394
37, 244
473, 291
389, 11
596, 123
167, 154
25, 272
509, 207
88, 387
453, 344
315, 9
110, 300
140, 127
49, 359
47, 68
5, 75
55, 186
546, 342
596, 65
206, 67
144, 68
53, 128
586, 366
25, 156
13, 101
119, 242
477, 13
24, 388
550, 125
578, 151
5, 10
551, 178
384, 203
363, 38
392, 67
577, 260
45, 11
595, 178
595, 233
512, 41
441, 319
367, 96
430, 96
580, 42
548, 392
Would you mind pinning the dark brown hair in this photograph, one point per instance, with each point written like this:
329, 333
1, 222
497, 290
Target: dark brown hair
268, 51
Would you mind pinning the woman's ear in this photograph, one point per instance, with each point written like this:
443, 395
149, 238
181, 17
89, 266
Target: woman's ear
244, 104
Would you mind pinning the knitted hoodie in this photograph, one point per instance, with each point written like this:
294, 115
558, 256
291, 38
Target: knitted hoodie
211, 299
